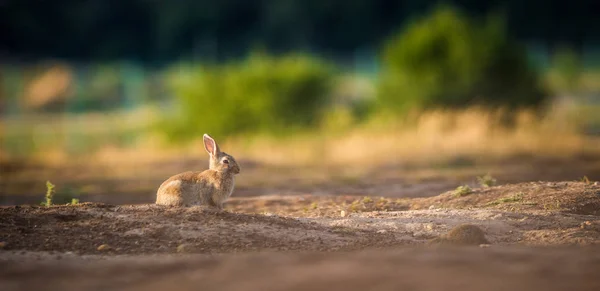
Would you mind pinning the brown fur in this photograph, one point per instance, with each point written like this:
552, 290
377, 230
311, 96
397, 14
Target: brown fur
211, 187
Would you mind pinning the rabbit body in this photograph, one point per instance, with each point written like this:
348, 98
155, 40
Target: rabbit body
211, 187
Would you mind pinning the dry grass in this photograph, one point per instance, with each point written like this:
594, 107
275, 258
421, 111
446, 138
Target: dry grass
436, 137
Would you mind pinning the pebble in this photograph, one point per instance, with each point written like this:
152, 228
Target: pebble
104, 247
182, 248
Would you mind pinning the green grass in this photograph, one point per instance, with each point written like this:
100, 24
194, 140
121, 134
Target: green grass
463, 191
49, 194
509, 199
585, 179
486, 181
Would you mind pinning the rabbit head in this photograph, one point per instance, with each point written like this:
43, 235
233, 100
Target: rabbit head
219, 161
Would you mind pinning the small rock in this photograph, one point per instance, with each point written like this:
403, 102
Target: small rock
586, 224
465, 234
183, 248
382, 231
431, 207
103, 247
343, 213
596, 183
484, 245
2, 244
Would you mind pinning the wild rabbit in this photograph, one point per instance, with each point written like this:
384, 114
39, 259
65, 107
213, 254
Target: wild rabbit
210, 187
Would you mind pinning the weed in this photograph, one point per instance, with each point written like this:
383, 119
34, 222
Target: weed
510, 199
314, 205
462, 191
367, 199
585, 179
74, 201
486, 181
552, 206
354, 206
382, 202
49, 194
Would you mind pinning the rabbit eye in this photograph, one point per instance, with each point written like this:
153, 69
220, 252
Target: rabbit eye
225, 162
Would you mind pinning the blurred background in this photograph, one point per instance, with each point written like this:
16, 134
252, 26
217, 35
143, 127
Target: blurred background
106, 99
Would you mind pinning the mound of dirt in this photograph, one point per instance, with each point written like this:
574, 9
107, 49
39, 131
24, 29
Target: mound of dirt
464, 234
313, 243
567, 197
307, 223
155, 229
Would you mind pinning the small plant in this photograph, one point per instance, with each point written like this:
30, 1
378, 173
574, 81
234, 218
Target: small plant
367, 199
49, 194
382, 202
552, 206
486, 181
74, 201
462, 191
585, 179
510, 199
314, 205
354, 206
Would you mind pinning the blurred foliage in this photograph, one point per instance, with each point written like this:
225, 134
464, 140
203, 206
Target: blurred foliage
261, 94
567, 69
161, 32
447, 59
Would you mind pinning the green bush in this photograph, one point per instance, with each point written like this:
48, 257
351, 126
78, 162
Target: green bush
449, 60
261, 94
567, 69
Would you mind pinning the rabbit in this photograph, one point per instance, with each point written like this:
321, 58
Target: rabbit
207, 188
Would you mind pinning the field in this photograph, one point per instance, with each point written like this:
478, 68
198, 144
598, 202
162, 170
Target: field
367, 209
298, 231
425, 146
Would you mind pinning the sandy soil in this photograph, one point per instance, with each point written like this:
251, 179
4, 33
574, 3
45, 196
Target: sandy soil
541, 234
403, 269
123, 182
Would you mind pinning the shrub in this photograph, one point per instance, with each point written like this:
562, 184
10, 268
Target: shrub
449, 60
567, 69
486, 180
463, 190
263, 93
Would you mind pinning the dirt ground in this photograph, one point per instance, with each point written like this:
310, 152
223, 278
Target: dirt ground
135, 182
541, 235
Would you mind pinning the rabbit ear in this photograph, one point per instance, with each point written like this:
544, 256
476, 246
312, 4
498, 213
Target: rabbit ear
210, 145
